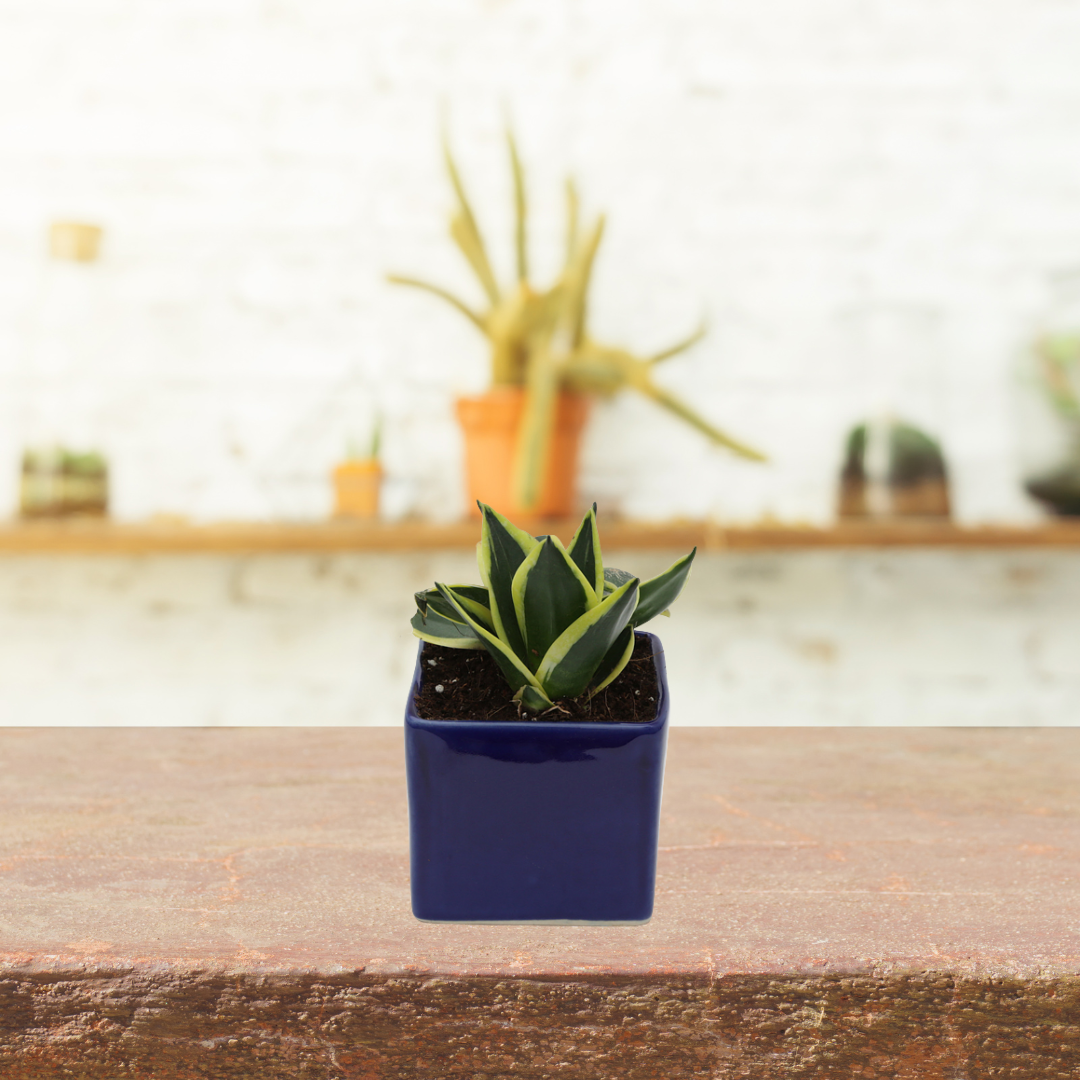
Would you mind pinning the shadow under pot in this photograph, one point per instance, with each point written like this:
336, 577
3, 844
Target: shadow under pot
535, 821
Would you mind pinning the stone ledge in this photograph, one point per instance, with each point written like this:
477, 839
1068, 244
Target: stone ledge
831, 903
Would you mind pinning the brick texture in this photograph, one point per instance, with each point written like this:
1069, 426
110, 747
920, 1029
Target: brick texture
886, 637
874, 204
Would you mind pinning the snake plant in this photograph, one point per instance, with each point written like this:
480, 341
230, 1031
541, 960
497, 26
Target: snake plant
555, 620
539, 339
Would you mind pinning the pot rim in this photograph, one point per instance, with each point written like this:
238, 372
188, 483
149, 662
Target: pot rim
550, 728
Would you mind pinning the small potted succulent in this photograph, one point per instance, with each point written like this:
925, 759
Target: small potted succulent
1057, 484
535, 735
358, 479
57, 482
893, 470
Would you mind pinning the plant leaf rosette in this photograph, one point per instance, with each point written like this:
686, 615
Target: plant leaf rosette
539, 819
554, 620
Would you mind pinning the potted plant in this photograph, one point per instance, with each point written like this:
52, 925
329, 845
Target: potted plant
358, 480
535, 735
521, 437
893, 470
57, 482
1058, 487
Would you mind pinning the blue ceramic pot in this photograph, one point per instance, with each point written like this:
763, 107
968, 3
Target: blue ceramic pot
534, 822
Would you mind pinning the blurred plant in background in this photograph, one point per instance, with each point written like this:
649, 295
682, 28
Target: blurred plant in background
1058, 367
358, 479
539, 338
892, 469
59, 483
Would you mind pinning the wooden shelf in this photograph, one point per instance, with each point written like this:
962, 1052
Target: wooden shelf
96, 537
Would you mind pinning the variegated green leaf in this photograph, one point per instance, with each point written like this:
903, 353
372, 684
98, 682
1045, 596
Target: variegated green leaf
473, 597
550, 593
502, 550
432, 603
660, 592
514, 671
531, 699
585, 551
451, 632
614, 577
615, 661
477, 593
568, 668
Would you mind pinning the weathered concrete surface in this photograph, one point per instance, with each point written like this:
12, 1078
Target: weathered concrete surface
832, 903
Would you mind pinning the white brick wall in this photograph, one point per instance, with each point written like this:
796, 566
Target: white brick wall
874, 201
811, 638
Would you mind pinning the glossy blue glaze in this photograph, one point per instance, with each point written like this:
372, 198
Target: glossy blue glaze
532, 821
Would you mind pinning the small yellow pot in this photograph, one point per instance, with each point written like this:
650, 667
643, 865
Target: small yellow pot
74, 241
356, 488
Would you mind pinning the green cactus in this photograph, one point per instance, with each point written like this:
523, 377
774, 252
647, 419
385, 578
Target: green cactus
557, 623
539, 338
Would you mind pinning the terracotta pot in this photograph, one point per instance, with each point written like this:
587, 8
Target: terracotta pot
490, 422
356, 488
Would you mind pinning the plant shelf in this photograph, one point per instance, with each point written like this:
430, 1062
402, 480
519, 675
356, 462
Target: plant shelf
98, 537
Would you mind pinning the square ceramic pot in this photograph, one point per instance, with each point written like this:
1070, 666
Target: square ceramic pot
532, 821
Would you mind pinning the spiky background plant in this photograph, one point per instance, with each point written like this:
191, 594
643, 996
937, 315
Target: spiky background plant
1059, 368
539, 339
557, 623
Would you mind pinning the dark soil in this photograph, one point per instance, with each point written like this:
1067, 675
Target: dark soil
466, 684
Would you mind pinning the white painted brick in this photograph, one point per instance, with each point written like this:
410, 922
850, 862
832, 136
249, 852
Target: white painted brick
801, 638
869, 200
